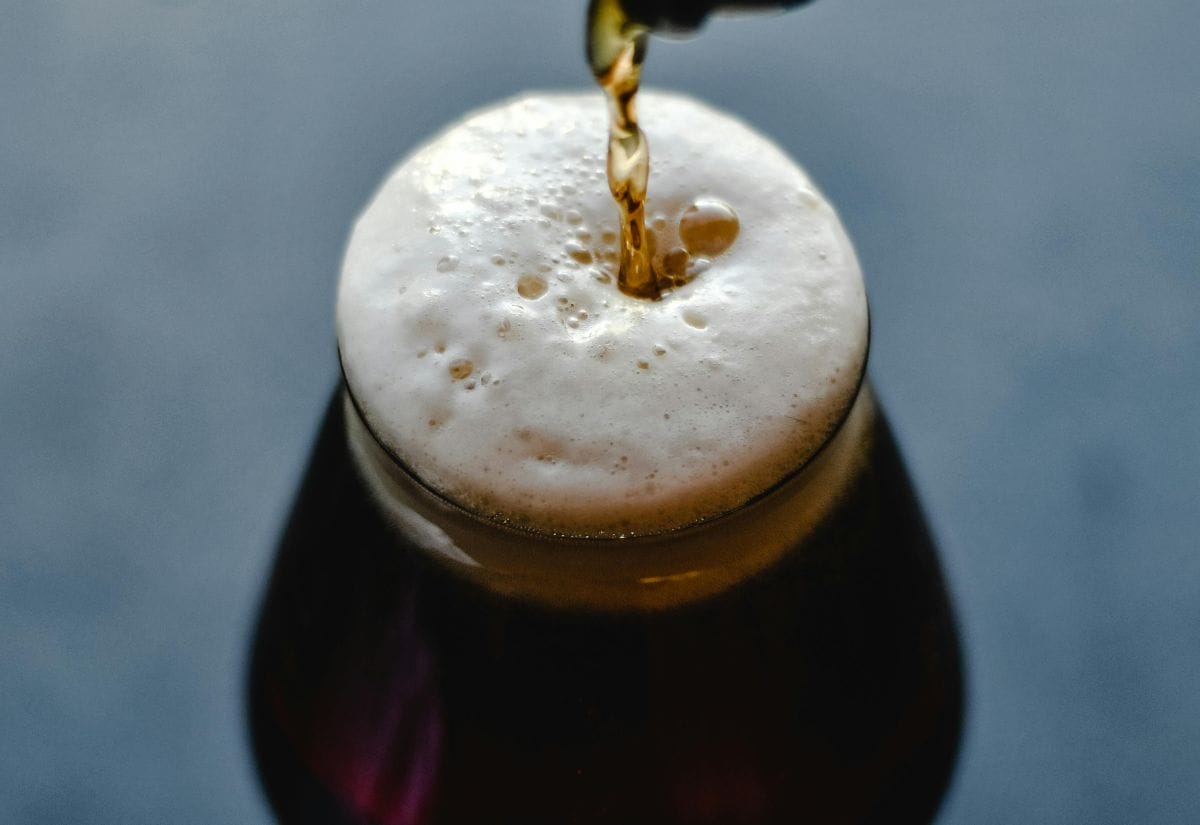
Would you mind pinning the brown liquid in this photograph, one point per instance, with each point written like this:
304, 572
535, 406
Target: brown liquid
386, 691
616, 49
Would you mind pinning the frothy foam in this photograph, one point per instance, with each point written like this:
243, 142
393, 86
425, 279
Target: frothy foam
484, 339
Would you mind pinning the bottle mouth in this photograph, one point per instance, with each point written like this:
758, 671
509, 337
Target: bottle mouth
616, 572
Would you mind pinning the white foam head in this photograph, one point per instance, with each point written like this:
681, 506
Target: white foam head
485, 342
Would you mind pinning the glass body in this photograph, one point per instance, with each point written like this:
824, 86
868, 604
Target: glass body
821, 683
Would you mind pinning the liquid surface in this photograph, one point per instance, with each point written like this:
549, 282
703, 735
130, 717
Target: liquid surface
484, 341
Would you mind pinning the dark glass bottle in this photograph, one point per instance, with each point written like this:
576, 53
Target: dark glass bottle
687, 15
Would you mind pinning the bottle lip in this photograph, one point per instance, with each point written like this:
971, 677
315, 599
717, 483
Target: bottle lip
516, 529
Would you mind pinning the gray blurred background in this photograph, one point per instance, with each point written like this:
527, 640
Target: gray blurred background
176, 181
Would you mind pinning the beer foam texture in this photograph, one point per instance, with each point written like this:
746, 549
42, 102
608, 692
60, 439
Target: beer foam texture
488, 348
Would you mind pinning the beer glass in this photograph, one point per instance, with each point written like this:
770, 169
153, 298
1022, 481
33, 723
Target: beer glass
614, 647
393, 685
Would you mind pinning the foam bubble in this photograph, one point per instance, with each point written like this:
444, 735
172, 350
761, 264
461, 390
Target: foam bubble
461, 368
710, 396
708, 227
531, 287
579, 252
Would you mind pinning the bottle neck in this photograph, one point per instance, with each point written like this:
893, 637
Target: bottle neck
635, 573
688, 15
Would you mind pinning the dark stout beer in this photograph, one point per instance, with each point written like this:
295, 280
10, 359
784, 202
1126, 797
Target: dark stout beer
386, 689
